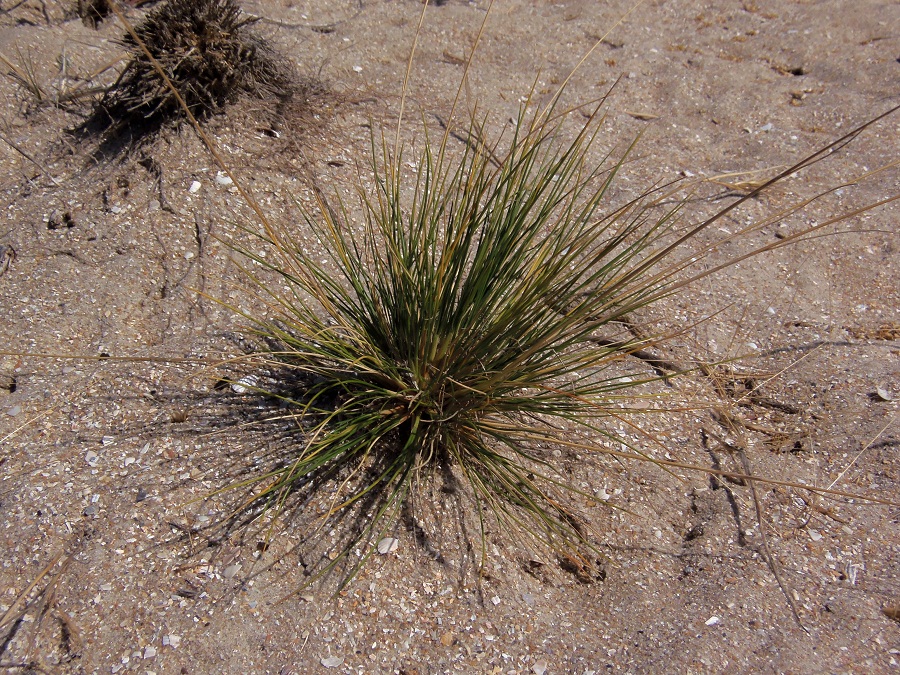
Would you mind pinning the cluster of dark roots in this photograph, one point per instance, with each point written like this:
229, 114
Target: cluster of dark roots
207, 50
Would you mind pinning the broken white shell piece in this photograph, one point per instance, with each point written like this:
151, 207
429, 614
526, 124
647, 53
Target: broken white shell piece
245, 385
884, 394
388, 545
231, 571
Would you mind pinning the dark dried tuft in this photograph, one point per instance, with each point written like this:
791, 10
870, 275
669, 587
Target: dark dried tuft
210, 53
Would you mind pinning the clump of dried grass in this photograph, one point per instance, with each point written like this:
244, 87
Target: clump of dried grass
209, 52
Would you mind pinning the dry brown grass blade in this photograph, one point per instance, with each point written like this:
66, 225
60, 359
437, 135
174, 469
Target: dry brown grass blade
647, 266
44, 170
104, 357
463, 82
734, 475
473, 140
412, 53
747, 184
863, 451
27, 423
643, 116
599, 41
25, 76
11, 614
771, 560
7, 256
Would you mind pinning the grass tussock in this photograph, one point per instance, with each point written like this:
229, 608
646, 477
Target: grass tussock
457, 333
455, 337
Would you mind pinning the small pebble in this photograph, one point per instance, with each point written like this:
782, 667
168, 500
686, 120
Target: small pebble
815, 535
539, 668
195, 187
149, 652
332, 661
91, 458
713, 621
496, 599
90, 511
223, 179
171, 641
15, 410
141, 495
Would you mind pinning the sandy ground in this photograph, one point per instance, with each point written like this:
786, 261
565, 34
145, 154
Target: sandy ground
107, 564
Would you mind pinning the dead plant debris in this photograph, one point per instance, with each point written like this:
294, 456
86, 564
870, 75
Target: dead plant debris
886, 331
209, 52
